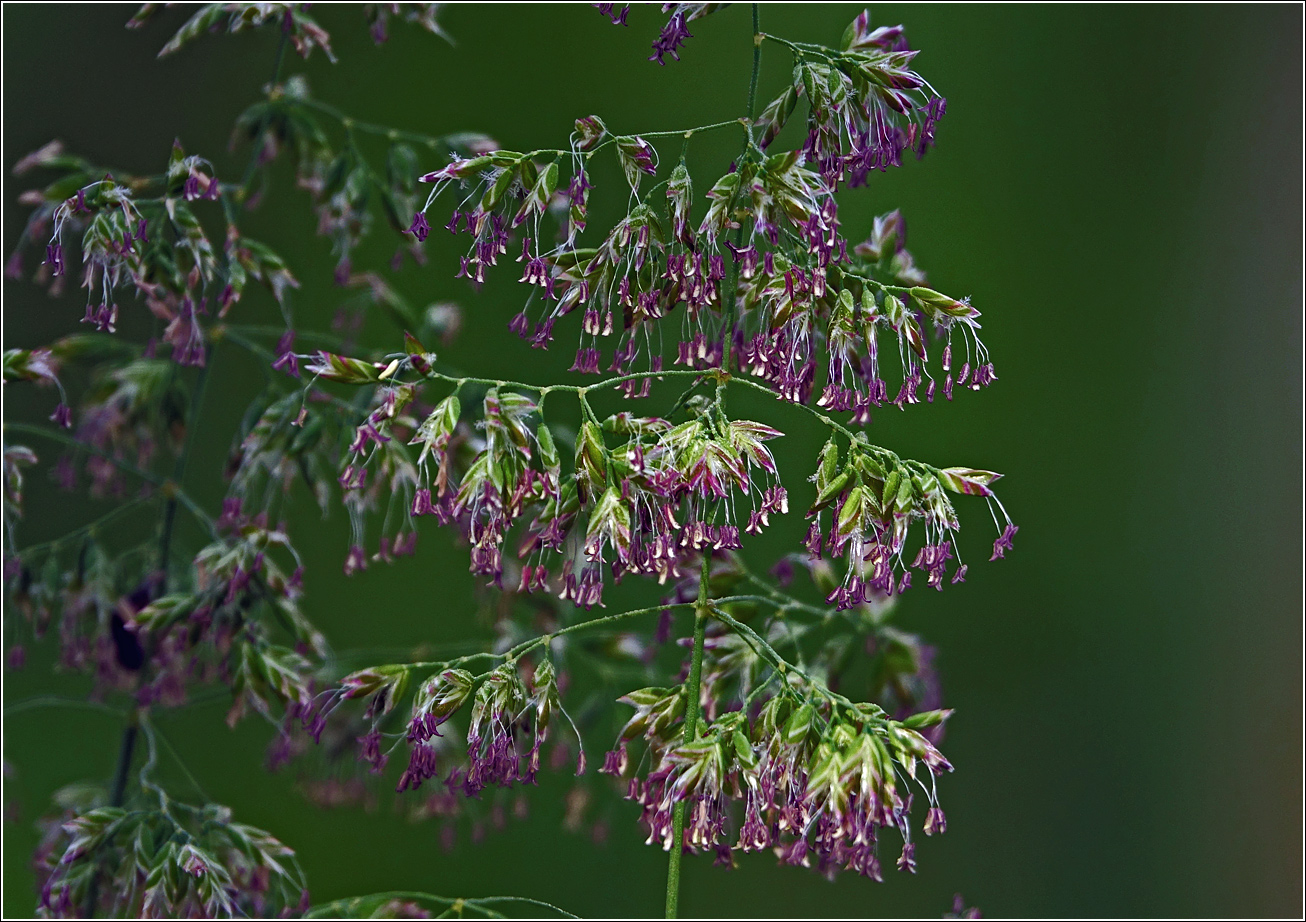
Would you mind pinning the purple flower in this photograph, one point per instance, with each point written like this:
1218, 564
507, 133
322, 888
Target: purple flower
287, 360
54, 258
422, 766
370, 750
672, 37
356, 560
62, 415
935, 822
420, 228
609, 10
1003, 542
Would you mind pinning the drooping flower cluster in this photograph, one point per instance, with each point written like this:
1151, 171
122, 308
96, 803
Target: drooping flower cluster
302, 31
177, 861
180, 279
667, 493
42, 367
675, 32
507, 727
867, 107
875, 498
354, 185
806, 781
663, 493
847, 308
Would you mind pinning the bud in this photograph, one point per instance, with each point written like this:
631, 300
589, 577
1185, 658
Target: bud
548, 449
387, 683
656, 709
591, 460
927, 719
589, 132
894, 311
775, 115
940, 306
680, 194
798, 726
343, 369
441, 695
637, 157
434, 432
545, 683
541, 191
832, 489
966, 480
722, 194
459, 169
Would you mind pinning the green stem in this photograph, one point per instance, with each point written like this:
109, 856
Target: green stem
563, 388
57, 436
526, 646
179, 471
778, 662
56, 701
117, 795
529, 901
799, 49
838, 427
125, 751
157, 734
757, 67
348, 122
87, 529
353, 904
692, 692
281, 53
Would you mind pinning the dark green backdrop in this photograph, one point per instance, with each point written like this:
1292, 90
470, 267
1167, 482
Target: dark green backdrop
1118, 188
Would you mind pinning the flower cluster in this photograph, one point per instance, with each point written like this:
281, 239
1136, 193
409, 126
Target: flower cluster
847, 308
667, 492
806, 780
182, 281
177, 861
875, 498
350, 177
508, 724
675, 32
42, 367
663, 493
300, 29
867, 107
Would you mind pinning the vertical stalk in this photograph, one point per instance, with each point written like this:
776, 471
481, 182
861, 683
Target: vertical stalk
285, 38
690, 731
119, 792
117, 795
757, 66
179, 468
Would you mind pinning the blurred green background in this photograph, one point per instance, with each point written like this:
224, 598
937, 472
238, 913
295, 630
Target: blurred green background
1117, 187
